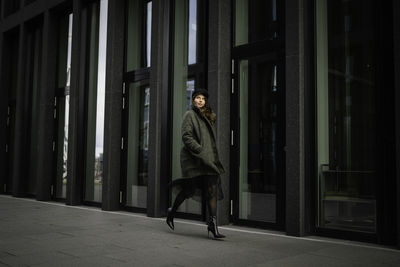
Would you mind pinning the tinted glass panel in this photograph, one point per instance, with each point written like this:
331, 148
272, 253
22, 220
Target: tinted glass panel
138, 144
255, 20
64, 72
347, 112
32, 79
138, 34
258, 170
97, 14
9, 80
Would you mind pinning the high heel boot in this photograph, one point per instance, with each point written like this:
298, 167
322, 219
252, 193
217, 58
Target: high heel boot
213, 227
170, 218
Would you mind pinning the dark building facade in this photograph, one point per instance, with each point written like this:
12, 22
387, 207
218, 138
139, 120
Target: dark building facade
307, 95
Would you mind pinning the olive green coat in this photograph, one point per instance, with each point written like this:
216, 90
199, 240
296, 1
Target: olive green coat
199, 155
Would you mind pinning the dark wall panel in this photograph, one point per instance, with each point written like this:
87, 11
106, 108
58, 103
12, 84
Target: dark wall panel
157, 184
46, 107
396, 43
113, 106
295, 175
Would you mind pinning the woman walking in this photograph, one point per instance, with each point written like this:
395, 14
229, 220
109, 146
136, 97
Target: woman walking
200, 164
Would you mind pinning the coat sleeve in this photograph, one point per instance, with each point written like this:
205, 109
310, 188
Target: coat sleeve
188, 136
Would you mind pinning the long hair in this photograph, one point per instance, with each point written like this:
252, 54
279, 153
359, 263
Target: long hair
206, 111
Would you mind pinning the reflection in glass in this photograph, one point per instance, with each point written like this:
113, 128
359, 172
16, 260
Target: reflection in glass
192, 27
138, 145
258, 170
148, 33
189, 92
346, 115
96, 98
183, 85
255, 20
64, 75
138, 50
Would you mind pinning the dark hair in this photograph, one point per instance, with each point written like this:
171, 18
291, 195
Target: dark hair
207, 111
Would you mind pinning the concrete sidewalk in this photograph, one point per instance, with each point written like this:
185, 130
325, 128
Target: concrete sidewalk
34, 233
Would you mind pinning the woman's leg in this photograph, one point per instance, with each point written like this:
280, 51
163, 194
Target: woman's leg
212, 208
178, 201
171, 211
212, 199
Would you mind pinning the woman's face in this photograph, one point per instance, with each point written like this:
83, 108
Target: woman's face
199, 101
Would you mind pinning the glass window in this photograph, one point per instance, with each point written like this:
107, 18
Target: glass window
97, 36
346, 114
138, 144
188, 75
258, 168
32, 79
255, 20
9, 81
64, 73
138, 50
192, 32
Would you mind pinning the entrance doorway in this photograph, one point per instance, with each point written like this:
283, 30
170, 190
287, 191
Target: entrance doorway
257, 155
136, 106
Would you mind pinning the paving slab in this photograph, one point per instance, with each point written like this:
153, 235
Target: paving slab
34, 233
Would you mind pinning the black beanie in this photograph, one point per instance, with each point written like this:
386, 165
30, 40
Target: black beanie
200, 92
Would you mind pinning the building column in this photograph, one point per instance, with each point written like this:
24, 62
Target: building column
19, 157
76, 140
295, 91
157, 189
3, 115
46, 108
219, 86
396, 51
113, 106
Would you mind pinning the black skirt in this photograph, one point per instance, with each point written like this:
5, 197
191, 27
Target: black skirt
197, 187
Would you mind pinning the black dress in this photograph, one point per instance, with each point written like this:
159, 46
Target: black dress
198, 186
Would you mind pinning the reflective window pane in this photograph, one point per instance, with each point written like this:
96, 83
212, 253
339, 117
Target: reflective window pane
258, 169
138, 48
138, 144
255, 20
346, 114
192, 28
96, 98
64, 73
32, 75
148, 33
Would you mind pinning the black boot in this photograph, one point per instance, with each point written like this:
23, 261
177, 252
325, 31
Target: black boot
213, 227
170, 218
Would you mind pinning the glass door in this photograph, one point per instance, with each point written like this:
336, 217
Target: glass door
259, 129
136, 140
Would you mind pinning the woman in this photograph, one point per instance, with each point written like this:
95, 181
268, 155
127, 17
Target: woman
200, 164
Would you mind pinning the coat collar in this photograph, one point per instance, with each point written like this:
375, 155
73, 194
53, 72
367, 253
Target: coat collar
209, 125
